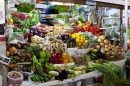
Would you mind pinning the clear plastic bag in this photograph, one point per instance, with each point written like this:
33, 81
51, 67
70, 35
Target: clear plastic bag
16, 37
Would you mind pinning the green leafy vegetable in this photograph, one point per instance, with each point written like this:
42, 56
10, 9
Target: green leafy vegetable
25, 7
60, 8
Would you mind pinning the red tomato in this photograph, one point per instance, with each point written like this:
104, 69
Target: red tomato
100, 33
26, 35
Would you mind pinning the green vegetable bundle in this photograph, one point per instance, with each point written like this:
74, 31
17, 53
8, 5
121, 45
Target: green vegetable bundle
26, 7
111, 72
61, 8
31, 19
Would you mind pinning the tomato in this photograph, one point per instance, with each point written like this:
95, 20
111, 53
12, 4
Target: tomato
26, 35
100, 33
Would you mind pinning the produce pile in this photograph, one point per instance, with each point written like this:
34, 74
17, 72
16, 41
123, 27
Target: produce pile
42, 52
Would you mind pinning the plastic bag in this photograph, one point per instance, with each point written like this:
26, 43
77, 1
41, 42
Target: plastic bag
16, 37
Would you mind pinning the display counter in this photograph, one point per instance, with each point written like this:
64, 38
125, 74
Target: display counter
77, 81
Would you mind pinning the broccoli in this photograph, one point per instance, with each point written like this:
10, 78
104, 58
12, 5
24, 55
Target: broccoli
36, 49
29, 50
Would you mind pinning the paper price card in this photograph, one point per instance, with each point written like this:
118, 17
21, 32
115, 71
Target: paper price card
79, 83
4, 60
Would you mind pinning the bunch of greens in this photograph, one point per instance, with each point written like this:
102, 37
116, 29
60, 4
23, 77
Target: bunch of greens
33, 19
111, 72
23, 30
65, 17
60, 8
58, 16
74, 9
25, 7
128, 33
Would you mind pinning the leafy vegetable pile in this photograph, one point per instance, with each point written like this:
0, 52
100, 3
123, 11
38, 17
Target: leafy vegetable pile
61, 8
111, 72
26, 20
25, 7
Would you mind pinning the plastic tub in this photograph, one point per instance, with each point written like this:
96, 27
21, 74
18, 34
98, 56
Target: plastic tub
15, 81
26, 74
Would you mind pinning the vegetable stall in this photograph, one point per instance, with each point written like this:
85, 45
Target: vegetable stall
81, 43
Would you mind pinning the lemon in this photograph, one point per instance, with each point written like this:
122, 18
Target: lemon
83, 38
77, 40
86, 41
84, 44
78, 34
79, 44
73, 36
81, 41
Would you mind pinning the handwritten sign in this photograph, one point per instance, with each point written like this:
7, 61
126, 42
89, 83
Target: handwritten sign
4, 60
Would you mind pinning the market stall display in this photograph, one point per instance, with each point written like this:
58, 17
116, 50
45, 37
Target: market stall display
41, 53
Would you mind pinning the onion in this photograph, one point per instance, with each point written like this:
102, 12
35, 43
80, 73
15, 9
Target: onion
99, 40
97, 46
106, 41
96, 37
103, 37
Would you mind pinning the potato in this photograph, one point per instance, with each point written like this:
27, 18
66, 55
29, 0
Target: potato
106, 46
113, 46
102, 44
123, 50
113, 49
119, 53
102, 37
106, 49
118, 47
114, 53
110, 48
112, 57
109, 45
108, 53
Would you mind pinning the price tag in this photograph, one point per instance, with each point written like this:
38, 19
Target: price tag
4, 60
89, 2
79, 83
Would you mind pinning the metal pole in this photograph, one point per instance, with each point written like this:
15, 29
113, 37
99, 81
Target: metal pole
126, 23
125, 35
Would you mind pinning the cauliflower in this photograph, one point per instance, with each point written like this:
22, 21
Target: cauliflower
36, 39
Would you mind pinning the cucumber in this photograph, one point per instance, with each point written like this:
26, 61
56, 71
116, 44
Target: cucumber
55, 73
78, 68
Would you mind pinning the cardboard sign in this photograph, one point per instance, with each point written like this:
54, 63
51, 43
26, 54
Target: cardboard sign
4, 60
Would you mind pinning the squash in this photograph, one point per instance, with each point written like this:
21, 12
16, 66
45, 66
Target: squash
7, 53
10, 21
71, 60
88, 23
12, 49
